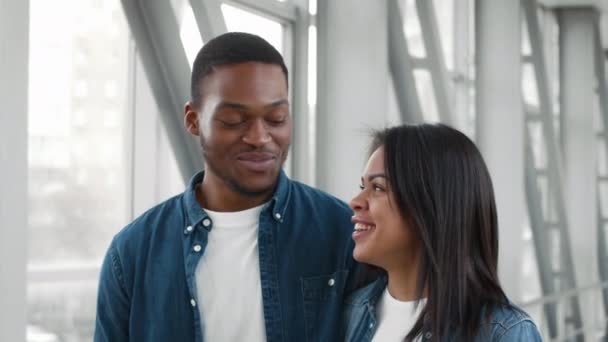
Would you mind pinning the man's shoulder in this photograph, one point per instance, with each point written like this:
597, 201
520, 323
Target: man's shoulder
148, 223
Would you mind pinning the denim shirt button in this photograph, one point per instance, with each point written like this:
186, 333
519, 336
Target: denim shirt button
189, 229
371, 325
206, 222
197, 248
278, 216
331, 282
428, 335
192, 302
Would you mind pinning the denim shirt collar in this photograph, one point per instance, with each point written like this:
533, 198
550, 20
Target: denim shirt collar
370, 294
280, 199
278, 203
368, 298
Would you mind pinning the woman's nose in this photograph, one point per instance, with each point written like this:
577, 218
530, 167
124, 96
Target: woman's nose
358, 202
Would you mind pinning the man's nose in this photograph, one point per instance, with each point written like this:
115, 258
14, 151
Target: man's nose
257, 134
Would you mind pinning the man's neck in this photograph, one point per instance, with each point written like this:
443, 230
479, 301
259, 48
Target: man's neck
216, 195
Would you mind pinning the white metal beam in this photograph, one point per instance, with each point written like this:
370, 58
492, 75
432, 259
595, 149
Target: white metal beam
500, 125
602, 217
209, 18
352, 89
572, 3
284, 11
436, 60
577, 90
462, 66
156, 34
561, 277
14, 40
402, 67
299, 90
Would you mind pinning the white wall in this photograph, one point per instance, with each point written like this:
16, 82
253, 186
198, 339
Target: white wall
500, 126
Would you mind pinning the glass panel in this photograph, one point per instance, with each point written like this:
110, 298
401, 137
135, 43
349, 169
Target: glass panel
189, 33
537, 142
426, 93
238, 19
156, 176
526, 49
61, 311
545, 201
312, 65
603, 189
529, 269
530, 88
312, 99
170, 181
444, 16
77, 128
602, 162
312, 7
79, 188
411, 27
393, 114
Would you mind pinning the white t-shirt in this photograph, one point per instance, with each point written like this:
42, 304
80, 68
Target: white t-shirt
395, 318
228, 279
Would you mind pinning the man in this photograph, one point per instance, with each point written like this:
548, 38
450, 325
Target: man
245, 253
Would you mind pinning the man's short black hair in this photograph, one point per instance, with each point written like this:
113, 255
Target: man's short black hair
231, 48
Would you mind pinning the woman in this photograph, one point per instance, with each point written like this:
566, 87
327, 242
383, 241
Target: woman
426, 230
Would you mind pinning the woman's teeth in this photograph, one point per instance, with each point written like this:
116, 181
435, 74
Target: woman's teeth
363, 227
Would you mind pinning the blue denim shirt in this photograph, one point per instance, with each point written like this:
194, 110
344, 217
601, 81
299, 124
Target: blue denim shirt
147, 288
506, 324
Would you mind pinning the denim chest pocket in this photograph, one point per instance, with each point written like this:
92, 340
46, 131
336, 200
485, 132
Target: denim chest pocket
323, 297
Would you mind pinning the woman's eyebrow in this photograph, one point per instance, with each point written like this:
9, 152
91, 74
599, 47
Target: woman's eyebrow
375, 175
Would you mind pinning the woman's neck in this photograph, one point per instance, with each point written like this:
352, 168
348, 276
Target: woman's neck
403, 280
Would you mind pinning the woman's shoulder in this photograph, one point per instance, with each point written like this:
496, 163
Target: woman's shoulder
507, 314
508, 322
367, 294
359, 316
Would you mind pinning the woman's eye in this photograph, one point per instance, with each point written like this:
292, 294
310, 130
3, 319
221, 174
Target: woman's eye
374, 187
378, 188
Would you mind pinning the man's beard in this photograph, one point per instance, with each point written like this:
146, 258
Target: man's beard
231, 182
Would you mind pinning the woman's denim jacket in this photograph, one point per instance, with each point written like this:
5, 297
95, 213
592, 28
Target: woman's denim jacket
507, 324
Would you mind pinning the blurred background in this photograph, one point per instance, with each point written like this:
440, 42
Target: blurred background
92, 95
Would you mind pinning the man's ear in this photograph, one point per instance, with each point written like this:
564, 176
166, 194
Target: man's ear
191, 119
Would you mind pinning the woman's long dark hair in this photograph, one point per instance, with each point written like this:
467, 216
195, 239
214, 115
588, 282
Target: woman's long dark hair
443, 188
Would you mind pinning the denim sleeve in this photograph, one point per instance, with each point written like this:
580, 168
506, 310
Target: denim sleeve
522, 331
353, 268
112, 322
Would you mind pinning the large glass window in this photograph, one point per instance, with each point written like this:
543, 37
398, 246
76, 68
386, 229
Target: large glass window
78, 162
454, 20
239, 19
